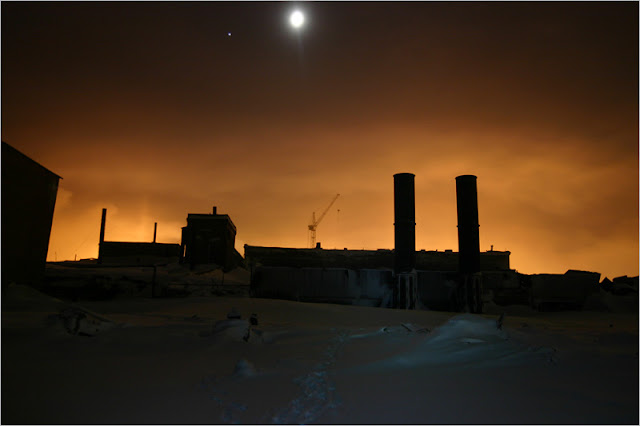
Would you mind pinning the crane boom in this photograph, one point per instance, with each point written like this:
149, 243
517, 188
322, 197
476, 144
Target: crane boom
326, 210
314, 223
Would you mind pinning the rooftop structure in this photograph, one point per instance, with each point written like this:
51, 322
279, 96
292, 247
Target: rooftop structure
209, 239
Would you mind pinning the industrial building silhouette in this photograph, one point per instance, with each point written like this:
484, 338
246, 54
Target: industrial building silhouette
134, 253
29, 192
398, 278
410, 279
207, 239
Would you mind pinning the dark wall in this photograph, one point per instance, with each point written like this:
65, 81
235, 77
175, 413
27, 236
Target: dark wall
209, 238
317, 258
365, 259
28, 199
138, 253
364, 287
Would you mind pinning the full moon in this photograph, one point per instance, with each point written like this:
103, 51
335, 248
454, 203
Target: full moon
296, 19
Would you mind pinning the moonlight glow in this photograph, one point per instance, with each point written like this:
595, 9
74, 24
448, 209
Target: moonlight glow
296, 19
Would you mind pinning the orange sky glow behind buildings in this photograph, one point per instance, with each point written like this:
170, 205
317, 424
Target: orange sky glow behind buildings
153, 112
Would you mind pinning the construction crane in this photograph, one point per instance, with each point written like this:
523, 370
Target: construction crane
314, 223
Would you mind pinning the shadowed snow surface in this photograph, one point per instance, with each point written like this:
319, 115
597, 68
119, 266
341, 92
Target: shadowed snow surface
466, 341
183, 361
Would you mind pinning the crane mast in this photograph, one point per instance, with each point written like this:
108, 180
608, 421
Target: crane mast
313, 226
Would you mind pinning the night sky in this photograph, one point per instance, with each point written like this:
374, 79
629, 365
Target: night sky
153, 111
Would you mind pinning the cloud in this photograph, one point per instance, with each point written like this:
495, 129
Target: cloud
63, 198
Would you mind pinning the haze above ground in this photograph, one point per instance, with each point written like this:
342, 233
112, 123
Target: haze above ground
153, 111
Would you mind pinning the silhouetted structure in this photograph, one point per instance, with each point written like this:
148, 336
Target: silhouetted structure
208, 239
138, 253
426, 260
468, 227
444, 280
29, 193
469, 292
561, 291
399, 278
405, 290
103, 224
405, 222
135, 253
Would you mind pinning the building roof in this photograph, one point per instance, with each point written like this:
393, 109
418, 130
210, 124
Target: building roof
211, 216
6, 146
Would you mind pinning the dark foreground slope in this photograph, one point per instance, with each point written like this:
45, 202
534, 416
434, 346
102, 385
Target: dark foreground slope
166, 361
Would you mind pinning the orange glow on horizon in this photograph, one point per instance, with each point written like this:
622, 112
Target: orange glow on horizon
545, 213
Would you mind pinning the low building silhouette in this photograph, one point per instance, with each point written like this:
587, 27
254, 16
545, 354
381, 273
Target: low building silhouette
364, 277
426, 260
138, 253
135, 253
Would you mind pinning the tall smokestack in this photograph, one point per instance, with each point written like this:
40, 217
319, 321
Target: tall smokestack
468, 232
215, 210
155, 229
102, 226
405, 222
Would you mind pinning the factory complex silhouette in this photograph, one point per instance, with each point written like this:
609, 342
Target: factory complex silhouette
399, 278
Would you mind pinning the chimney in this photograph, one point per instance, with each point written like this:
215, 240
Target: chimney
155, 229
468, 232
102, 226
405, 222
215, 210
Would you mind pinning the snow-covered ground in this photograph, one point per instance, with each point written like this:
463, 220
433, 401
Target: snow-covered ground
183, 361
